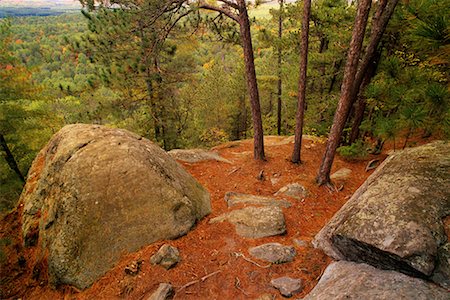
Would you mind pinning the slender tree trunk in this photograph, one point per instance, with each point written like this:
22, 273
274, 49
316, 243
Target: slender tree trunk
344, 105
279, 65
336, 67
381, 19
9, 157
361, 104
296, 156
252, 85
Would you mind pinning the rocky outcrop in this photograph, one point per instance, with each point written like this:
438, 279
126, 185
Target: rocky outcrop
255, 222
394, 220
348, 280
196, 155
94, 193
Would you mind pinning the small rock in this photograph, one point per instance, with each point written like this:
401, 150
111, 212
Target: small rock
287, 286
294, 190
255, 222
167, 257
273, 253
164, 292
266, 297
133, 268
301, 243
341, 174
233, 199
196, 155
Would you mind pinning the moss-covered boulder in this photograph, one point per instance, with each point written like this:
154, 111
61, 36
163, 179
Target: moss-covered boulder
395, 219
94, 193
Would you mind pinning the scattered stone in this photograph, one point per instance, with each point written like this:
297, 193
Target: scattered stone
274, 253
394, 220
275, 178
441, 274
348, 280
167, 257
287, 286
255, 222
234, 199
196, 155
294, 190
164, 292
301, 243
95, 192
341, 174
373, 164
133, 268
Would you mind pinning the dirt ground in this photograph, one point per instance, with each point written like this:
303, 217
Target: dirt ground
215, 263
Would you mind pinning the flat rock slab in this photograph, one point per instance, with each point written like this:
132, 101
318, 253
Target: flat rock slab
234, 199
394, 220
294, 190
196, 155
274, 253
164, 292
287, 286
167, 257
348, 280
255, 222
341, 174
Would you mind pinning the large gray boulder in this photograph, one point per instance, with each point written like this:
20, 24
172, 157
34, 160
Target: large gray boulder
94, 193
348, 280
395, 219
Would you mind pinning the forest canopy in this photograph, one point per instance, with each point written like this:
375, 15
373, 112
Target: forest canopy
176, 72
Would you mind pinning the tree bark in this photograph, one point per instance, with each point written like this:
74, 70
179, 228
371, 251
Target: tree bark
241, 17
344, 104
279, 66
336, 67
252, 84
9, 157
296, 155
361, 104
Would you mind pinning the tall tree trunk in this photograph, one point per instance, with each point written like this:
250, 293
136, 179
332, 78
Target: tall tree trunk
252, 85
9, 157
279, 65
381, 19
336, 67
344, 104
361, 104
296, 156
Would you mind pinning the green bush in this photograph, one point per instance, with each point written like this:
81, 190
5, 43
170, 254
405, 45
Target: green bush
355, 151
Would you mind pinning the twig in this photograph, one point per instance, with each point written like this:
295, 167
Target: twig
234, 170
237, 284
238, 254
198, 280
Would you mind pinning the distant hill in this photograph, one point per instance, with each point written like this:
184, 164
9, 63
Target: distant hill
53, 4
25, 8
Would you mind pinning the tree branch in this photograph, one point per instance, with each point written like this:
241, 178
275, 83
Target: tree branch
221, 10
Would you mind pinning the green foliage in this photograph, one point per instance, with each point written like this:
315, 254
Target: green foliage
357, 150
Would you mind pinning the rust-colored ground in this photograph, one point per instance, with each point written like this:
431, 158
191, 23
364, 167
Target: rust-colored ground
210, 249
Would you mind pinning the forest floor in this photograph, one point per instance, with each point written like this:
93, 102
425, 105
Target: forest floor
211, 266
